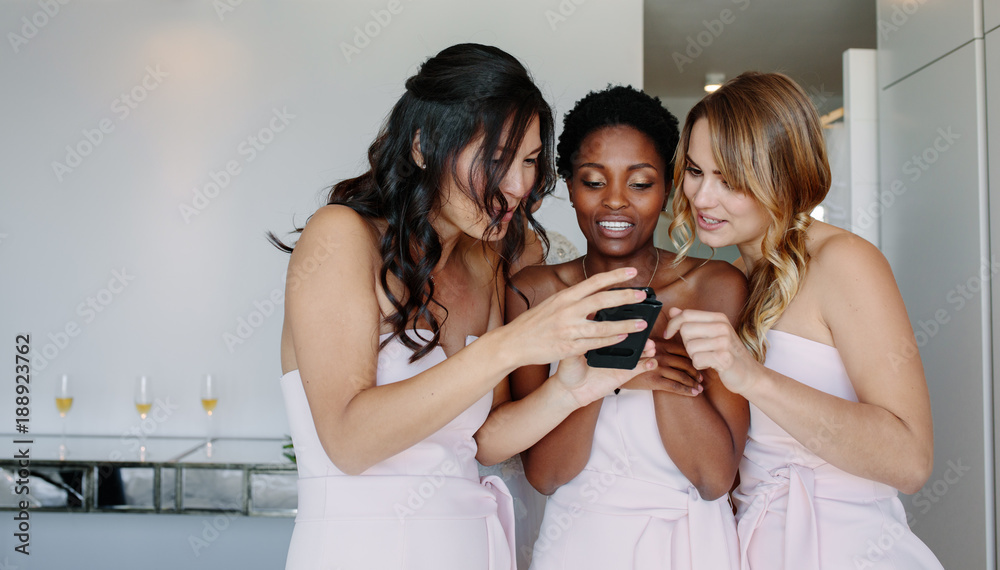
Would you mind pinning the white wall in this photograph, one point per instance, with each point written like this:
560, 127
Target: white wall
935, 233
152, 542
189, 281
993, 137
861, 125
212, 80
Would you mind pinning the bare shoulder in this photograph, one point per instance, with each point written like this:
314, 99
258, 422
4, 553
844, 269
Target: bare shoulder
837, 256
334, 233
330, 283
716, 285
339, 221
538, 282
533, 254
715, 273
851, 281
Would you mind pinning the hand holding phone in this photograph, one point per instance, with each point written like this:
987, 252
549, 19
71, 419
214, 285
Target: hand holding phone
626, 354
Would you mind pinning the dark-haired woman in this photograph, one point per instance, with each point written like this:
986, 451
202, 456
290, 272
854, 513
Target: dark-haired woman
639, 478
838, 421
393, 353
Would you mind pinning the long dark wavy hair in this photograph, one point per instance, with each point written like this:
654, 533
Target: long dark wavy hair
464, 93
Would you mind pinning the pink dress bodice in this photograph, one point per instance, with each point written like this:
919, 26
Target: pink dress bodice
796, 511
631, 506
424, 508
453, 442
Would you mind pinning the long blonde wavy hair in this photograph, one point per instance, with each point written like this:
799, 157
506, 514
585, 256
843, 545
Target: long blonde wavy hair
767, 142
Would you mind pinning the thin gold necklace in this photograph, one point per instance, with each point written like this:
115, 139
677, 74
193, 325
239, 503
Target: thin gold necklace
655, 267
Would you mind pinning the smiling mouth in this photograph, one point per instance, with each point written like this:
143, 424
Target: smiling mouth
709, 222
616, 226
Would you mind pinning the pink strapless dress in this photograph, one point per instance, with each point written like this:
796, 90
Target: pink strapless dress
425, 508
631, 507
798, 512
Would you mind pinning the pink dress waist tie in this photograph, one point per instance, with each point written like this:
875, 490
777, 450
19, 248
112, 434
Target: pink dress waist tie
803, 485
409, 497
663, 504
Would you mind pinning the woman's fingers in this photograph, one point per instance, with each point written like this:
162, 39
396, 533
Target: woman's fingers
610, 329
609, 299
681, 364
679, 376
650, 349
645, 365
587, 384
683, 318
674, 387
653, 380
673, 355
560, 326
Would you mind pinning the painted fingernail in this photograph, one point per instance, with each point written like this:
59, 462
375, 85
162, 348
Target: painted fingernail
640, 295
640, 325
632, 272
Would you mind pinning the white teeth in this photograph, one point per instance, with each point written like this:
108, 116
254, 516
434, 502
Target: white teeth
710, 220
616, 226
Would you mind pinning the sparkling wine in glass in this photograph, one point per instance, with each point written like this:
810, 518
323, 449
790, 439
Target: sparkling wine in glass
209, 399
143, 404
64, 401
209, 395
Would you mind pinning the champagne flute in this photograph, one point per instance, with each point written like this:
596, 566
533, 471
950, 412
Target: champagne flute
64, 401
209, 399
143, 404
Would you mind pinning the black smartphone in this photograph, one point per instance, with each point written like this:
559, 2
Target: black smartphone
625, 355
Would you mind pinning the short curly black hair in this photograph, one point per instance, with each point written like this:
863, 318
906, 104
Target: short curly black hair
617, 105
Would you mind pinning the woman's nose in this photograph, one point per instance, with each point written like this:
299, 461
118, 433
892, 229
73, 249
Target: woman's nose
701, 196
614, 197
516, 185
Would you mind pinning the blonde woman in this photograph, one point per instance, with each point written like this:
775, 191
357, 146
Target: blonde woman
837, 424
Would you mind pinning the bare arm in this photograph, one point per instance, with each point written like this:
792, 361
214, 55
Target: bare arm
332, 307
886, 436
563, 452
705, 435
514, 426
333, 314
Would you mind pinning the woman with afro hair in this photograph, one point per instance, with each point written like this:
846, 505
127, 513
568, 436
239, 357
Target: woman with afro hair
638, 478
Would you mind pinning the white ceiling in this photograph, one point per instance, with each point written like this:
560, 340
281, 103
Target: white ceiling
802, 38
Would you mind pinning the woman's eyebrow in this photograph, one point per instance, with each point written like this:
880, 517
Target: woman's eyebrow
695, 164
640, 166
